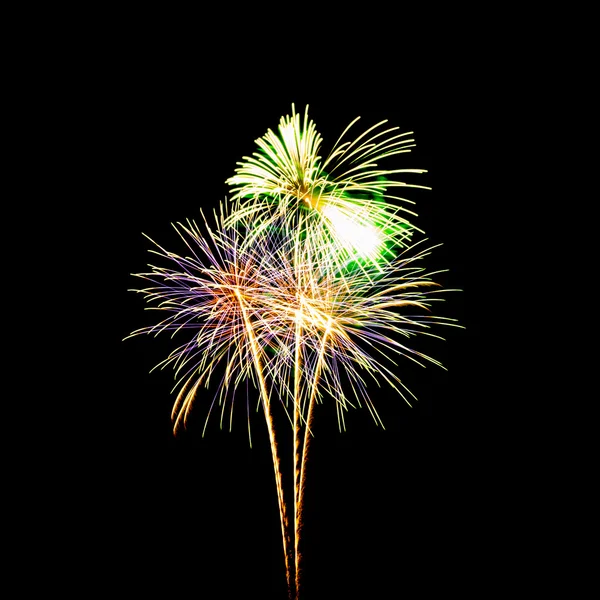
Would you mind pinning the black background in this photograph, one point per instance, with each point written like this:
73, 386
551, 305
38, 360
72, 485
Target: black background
198, 515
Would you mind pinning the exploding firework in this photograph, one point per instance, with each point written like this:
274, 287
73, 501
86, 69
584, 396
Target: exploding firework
336, 328
299, 324
347, 196
216, 295
309, 285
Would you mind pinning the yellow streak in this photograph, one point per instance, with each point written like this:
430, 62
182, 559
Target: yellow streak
271, 429
300, 484
296, 439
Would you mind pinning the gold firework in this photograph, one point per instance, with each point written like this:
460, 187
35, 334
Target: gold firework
309, 285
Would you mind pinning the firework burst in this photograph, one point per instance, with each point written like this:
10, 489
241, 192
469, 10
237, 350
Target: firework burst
291, 318
338, 328
309, 286
217, 295
347, 196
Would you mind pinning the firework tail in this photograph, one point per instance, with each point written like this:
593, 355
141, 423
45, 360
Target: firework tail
300, 479
274, 452
296, 439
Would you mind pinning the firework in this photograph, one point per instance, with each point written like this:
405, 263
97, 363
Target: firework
347, 196
309, 286
301, 326
217, 297
338, 328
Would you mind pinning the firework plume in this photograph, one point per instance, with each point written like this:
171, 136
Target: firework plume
347, 196
217, 295
308, 286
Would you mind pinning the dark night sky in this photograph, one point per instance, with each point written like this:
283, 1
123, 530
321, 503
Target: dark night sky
201, 514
